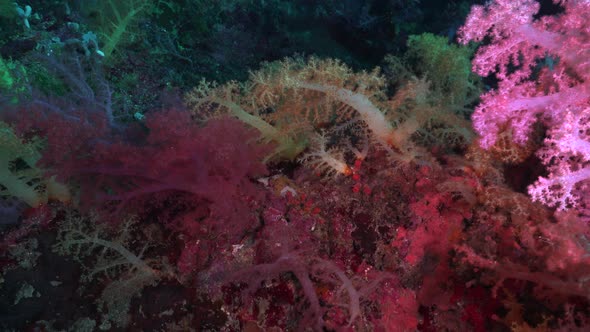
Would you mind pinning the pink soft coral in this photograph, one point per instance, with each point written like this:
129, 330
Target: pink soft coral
544, 74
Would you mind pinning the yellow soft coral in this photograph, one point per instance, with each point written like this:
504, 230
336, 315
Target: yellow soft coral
18, 175
290, 101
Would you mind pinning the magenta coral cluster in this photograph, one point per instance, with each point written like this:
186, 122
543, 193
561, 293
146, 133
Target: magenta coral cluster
543, 77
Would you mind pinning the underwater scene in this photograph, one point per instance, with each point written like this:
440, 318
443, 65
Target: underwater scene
294, 165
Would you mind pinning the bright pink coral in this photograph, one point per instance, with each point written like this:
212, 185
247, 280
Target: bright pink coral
543, 71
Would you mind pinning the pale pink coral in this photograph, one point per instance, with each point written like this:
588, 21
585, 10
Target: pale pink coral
543, 75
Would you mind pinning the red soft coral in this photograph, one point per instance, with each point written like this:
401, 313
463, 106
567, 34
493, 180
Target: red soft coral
196, 180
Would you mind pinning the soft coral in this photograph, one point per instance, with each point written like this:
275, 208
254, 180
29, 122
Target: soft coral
201, 175
542, 68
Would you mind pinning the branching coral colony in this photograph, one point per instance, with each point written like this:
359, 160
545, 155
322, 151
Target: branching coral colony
290, 100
